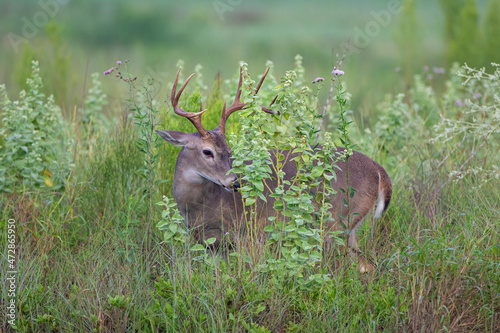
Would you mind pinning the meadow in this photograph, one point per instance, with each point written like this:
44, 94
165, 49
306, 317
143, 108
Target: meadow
86, 184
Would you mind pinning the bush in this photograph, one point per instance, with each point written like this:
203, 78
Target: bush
32, 150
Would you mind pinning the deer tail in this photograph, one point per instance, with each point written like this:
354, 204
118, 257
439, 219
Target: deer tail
384, 192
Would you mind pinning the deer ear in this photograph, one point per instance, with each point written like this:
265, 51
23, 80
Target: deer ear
176, 138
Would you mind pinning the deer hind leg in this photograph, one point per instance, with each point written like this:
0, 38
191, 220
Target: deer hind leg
354, 252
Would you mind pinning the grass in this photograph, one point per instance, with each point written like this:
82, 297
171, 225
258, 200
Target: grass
431, 277
88, 260
71, 46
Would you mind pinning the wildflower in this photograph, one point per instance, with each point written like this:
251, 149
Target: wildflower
476, 95
426, 68
458, 102
337, 71
109, 71
318, 79
118, 62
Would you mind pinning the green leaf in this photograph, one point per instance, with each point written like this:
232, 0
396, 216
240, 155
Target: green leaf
259, 185
249, 201
269, 228
317, 172
278, 205
173, 228
329, 177
210, 241
316, 255
198, 247
167, 235
343, 225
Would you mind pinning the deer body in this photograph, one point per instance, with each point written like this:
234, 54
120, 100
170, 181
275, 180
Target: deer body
207, 196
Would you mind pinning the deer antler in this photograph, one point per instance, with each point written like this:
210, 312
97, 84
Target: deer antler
239, 105
195, 117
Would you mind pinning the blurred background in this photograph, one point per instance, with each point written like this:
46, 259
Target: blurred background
389, 40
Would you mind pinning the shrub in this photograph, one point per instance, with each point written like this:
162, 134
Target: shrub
32, 150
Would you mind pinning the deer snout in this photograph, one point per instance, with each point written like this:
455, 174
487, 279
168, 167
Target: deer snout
236, 186
230, 182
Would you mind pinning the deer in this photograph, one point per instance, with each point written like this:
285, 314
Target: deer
206, 192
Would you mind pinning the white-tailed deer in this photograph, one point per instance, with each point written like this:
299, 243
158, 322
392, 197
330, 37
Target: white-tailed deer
206, 194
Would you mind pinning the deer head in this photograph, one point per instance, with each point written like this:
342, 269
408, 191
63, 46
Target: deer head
206, 156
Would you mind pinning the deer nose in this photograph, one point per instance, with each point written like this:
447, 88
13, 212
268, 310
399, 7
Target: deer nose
236, 186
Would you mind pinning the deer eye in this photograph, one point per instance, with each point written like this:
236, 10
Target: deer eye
207, 152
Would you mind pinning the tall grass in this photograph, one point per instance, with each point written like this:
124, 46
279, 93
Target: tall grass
84, 263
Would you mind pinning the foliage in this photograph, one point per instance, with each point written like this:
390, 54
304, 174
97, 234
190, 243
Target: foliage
492, 26
407, 39
92, 120
93, 117
296, 231
85, 263
479, 125
172, 223
32, 151
57, 71
465, 33
143, 104
450, 9
129, 249
469, 38
428, 154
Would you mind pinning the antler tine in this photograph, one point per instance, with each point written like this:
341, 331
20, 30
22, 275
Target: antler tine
238, 105
267, 109
262, 81
193, 117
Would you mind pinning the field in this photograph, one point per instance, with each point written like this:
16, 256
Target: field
91, 238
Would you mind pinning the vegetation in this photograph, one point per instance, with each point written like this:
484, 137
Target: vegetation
100, 245
155, 35
90, 260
